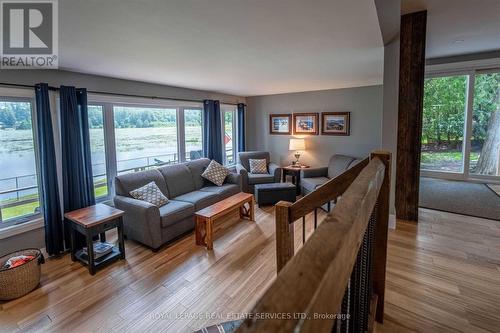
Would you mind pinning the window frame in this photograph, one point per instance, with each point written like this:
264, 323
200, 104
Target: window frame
109, 102
230, 109
470, 72
22, 220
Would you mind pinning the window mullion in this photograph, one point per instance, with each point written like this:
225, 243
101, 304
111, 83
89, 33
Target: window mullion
110, 147
181, 135
468, 124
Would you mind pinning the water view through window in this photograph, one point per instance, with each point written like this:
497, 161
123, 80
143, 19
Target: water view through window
145, 138
18, 179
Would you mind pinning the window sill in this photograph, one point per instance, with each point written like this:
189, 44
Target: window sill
21, 228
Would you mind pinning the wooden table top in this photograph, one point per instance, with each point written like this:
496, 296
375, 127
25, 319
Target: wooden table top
224, 205
291, 167
93, 215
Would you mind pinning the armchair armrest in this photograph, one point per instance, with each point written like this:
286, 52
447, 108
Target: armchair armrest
275, 170
314, 172
244, 177
141, 220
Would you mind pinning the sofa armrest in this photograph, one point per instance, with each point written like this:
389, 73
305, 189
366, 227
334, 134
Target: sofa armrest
275, 170
244, 177
314, 172
234, 178
141, 220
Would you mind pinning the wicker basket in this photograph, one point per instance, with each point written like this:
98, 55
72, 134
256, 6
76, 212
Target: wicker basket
18, 281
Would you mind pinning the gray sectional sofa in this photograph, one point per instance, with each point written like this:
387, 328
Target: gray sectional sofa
248, 179
312, 178
187, 192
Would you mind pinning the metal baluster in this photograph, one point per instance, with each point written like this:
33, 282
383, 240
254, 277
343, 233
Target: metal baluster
315, 218
303, 229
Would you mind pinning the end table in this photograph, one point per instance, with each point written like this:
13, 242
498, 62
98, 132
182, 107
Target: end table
90, 222
294, 171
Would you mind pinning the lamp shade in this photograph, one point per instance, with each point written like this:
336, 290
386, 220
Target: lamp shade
297, 144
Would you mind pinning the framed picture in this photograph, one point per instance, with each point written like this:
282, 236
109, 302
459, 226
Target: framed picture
280, 124
335, 123
306, 123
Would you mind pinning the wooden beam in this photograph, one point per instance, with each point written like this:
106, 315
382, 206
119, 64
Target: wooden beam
411, 97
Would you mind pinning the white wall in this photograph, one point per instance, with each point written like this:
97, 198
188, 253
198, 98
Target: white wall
364, 103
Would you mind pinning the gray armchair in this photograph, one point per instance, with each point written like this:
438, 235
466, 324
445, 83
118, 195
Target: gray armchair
248, 179
312, 178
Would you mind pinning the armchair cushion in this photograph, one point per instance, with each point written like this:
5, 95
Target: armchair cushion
260, 178
258, 166
244, 157
313, 172
174, 212
338, 164
311, 184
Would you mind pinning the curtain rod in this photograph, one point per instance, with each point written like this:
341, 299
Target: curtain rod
116, 94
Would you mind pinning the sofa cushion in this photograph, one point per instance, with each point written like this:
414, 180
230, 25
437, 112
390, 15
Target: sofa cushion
197, 167
338, 164
311, 184
260, 178
174, 212
244, 157
131, 181
150, 193
258, 166
200, 199
178, 179
223, 191
215, 173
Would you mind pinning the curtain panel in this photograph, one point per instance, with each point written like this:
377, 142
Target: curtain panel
241, 127
212, 131
78, 188
49, 191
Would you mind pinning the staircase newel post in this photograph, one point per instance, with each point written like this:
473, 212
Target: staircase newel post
284, 234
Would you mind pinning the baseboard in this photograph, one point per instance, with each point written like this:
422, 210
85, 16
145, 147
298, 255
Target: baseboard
392, 221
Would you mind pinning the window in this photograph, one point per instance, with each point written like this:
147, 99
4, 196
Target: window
19, 197
485, 138
229, 135
145, 138
98, 150
443, 123
461, 125
193, 133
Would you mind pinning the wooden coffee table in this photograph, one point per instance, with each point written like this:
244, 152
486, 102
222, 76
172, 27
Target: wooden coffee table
205, 218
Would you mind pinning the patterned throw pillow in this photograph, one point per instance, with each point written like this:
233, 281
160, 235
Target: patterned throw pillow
150, 193
215, 173
258, 166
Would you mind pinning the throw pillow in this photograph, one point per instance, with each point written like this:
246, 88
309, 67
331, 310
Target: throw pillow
215, 173
150, 193
258, 166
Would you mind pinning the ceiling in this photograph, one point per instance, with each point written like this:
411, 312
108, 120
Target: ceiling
240, 47
457, 27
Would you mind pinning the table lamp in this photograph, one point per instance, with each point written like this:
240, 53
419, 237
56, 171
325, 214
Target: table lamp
297, 145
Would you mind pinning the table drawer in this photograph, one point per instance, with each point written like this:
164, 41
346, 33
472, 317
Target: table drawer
104, 226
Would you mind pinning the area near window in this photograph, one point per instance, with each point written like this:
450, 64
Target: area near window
229, 135
19, 197
130, 137
461, 125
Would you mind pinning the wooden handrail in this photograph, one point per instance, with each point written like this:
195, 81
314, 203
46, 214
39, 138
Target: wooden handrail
287, 213
314, 281
329, 191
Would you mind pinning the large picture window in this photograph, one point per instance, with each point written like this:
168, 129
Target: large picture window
461, 125
19, 197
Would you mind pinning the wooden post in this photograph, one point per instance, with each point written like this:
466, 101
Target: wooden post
381, 230
284, 234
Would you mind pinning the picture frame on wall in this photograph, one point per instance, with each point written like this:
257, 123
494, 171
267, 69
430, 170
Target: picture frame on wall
280, 124
306, 123
336, 123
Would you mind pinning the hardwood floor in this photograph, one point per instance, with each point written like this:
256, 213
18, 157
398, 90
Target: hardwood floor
443, 275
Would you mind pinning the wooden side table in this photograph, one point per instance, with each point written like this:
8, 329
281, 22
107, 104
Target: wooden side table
90, 222
294, 171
